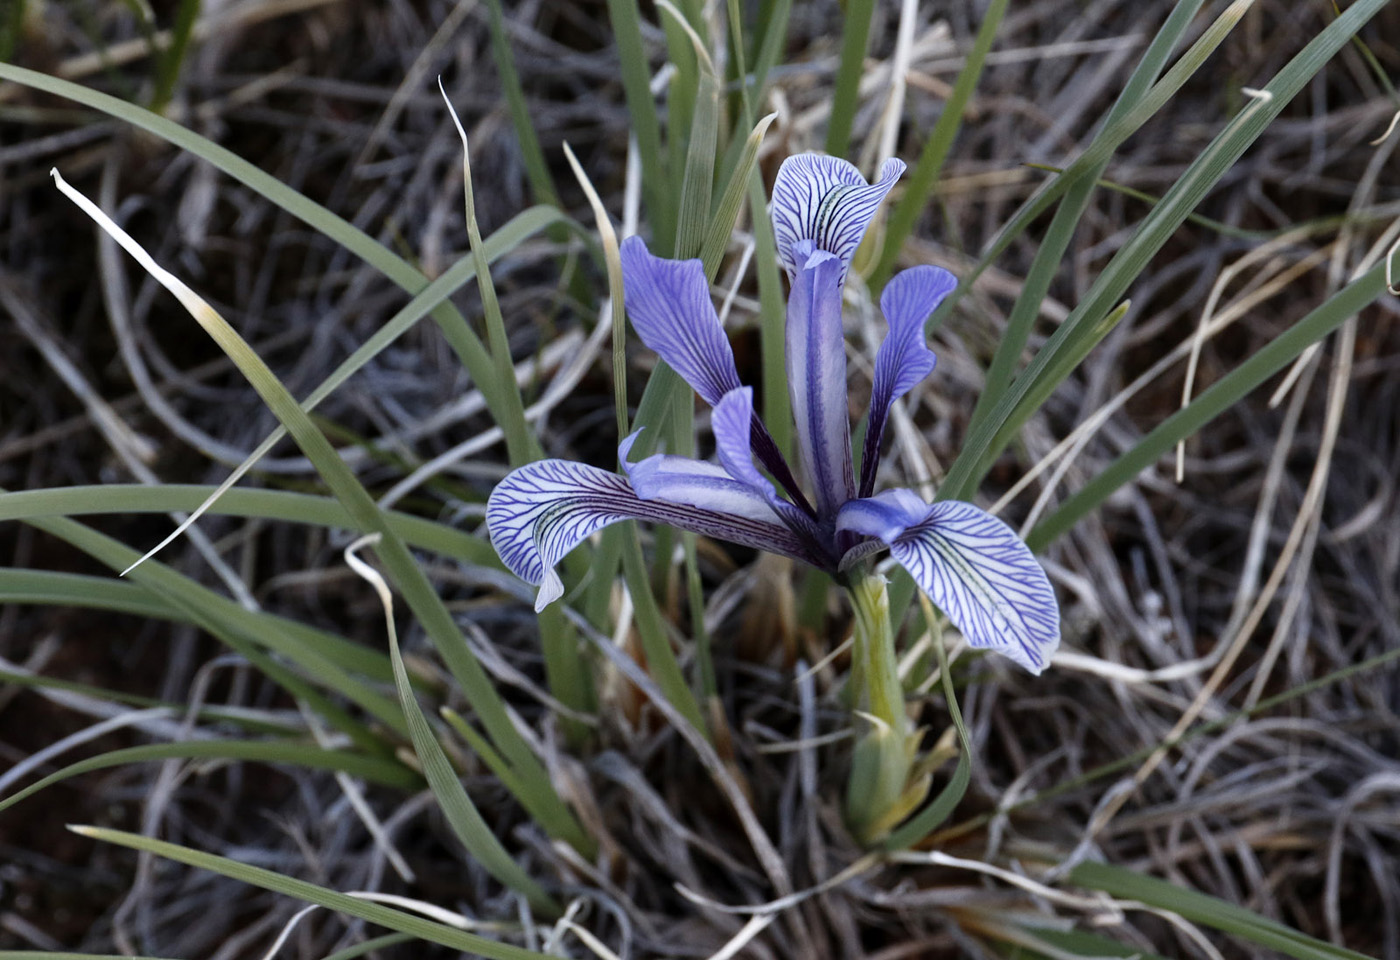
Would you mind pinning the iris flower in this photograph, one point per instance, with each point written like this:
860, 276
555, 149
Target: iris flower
972, 566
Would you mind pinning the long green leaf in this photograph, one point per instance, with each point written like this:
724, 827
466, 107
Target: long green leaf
317, 653
452, 799
541, 180
281, 505
1211, 911
169, 60
460, 337
1221, 395
1203, 174
280, 635
721, 227
388, 773
698, 182
520, 440
772, 39
936, 148
403, 570
1048, 258
777, 405
310, 893
855, 36
51, 588
626, 21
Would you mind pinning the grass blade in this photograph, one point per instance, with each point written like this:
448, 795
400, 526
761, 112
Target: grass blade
388, 773
697, 182
520, 442
935, 152
1221, 395
1201, 908
726, 212
461, 814
777, 405
407, 576
855, 37
321, 655
985, 443
541, 180
375, 913
172, 58
280, 505
1057, 238
626, 21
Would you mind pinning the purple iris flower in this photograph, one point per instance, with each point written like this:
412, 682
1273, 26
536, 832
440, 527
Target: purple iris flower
972, 566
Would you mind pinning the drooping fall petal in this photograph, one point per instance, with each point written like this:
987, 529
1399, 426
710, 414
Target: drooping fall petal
972, 566
542, 510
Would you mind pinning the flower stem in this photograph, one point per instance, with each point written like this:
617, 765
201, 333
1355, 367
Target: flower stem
875, 796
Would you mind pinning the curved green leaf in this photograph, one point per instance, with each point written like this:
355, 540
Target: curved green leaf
310, 893
389, 773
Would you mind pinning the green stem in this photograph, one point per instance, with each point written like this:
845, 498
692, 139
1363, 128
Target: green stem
881, 761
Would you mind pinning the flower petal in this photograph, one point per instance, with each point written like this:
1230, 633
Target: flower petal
816, 369
886, 515
730, 423
693, 482
542, 510
904, 359
670, 307
973, 567
826, 200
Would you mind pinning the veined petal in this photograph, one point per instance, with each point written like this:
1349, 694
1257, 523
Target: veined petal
816, 369
541, 511
693, 482
670, 307
904, 359
973, 567
731, 425
886, 515
826, 200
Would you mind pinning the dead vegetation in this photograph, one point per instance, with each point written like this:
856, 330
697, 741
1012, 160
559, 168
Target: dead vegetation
1273, 564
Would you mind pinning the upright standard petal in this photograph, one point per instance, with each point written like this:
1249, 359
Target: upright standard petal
670, 307
973, 567
826, 200
541, 511
816, 369
904, 359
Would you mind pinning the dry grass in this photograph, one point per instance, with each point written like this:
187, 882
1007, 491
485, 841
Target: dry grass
1279, 554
